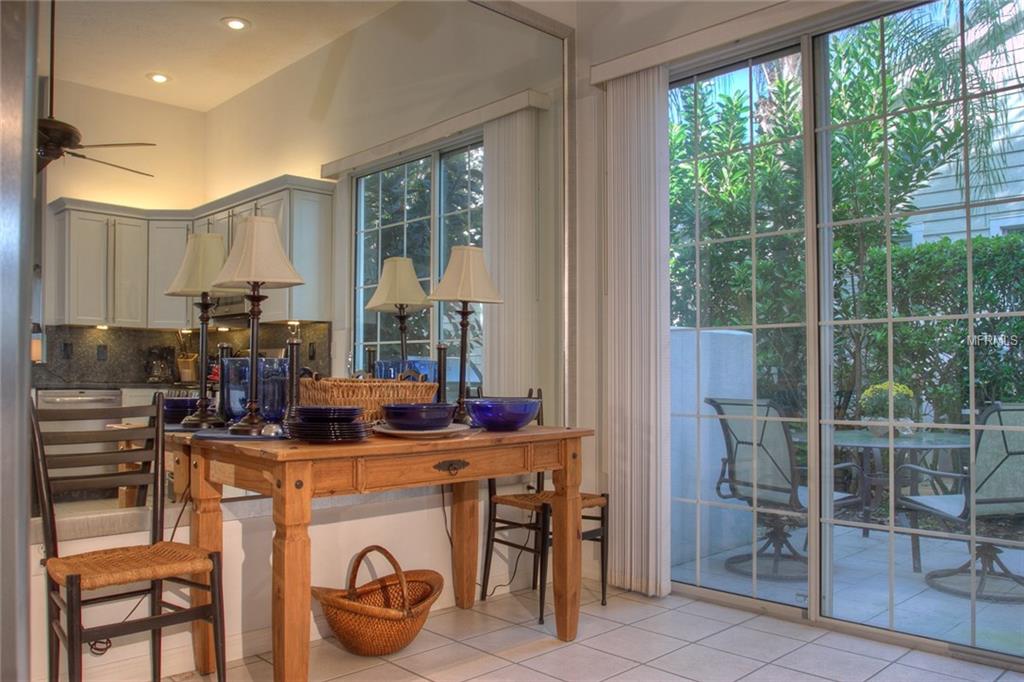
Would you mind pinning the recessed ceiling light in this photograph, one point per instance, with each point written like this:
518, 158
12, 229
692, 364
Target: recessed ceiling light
235, 23
158, 77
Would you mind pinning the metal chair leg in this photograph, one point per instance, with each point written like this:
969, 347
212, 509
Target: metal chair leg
545, 544
537, 548
492, 514
217, 603
604, 551
156, 597
52, 623
73, 627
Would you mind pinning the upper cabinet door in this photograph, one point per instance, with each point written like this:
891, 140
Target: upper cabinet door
167, 241
276, 308
86, 283
220, 223
312, 254
131, 265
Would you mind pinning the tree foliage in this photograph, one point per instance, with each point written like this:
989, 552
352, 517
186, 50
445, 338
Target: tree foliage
737, 173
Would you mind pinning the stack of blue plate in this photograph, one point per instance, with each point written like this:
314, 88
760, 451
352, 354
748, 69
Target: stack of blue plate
327, 424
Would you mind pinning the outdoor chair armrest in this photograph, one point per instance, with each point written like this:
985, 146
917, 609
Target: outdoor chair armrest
847, 465
723, 478
930, 472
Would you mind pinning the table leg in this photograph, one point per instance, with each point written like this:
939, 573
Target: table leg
206, 531
567, 541
293, 503
465, 541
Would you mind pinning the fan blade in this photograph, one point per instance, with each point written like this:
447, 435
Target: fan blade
107, 163
116, 144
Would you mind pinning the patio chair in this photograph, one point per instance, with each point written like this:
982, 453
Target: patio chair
767, 444
998, 496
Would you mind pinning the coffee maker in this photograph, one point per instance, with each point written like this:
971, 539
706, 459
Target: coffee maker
160, 365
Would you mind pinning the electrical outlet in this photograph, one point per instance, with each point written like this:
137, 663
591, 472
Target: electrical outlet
101, 353
66, 350
312, 351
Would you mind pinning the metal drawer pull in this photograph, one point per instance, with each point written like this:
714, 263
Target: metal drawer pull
452, 466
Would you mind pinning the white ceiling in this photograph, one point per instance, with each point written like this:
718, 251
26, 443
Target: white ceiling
113, 45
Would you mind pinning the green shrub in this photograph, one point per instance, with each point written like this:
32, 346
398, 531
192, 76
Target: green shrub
874, 401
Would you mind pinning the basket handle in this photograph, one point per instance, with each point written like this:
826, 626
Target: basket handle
394, 564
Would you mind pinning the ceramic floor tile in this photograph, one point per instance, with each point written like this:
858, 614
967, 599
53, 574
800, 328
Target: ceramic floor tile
773, 673
451, 663
383, 672
577, 663
904, 673
463, 623
515, 673
516, 608
726, 614
589, 626
248, 669
516, 643
635, 644
622, 610
860, 645
831, 664
806, 633
950, 666
700, 663
329, 659
645, 673
682, 625
743, 641
1012, 676
424, 641
671, 601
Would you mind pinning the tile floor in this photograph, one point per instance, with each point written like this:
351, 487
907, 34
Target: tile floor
632, 638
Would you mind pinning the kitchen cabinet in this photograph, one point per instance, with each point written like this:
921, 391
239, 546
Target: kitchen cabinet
106, 265
167, 242
129, 276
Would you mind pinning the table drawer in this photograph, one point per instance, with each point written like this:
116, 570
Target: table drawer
547, 455
397, 472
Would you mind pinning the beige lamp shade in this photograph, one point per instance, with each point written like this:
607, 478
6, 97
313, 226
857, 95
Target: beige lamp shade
398, 286
257, 256
466, 278
204, 257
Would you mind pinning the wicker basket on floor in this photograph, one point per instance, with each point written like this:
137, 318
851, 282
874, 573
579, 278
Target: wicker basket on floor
369, 394
382, 616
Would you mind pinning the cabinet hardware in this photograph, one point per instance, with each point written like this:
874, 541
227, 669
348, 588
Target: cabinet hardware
452, 466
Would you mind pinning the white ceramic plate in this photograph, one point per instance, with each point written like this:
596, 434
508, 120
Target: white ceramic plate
435, 434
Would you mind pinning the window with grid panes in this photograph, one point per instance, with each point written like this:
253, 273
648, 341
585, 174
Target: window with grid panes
419, 209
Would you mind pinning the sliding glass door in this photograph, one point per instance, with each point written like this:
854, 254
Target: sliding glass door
739, 399
917, 217
919, 122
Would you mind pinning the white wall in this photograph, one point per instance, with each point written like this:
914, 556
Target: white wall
414, 65
103, 116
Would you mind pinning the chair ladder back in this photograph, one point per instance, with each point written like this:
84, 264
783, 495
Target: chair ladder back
51, 470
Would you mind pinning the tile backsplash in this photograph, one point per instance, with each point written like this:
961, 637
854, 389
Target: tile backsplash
74, 354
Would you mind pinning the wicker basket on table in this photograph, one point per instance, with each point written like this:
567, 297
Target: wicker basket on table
369, 394
384, 615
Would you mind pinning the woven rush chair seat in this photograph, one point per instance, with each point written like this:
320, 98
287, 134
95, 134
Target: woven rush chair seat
534, 501
125, 565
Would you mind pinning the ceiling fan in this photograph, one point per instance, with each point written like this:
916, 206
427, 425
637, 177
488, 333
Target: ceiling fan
57, 138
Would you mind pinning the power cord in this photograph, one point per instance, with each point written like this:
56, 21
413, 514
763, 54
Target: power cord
102, 646
519, 554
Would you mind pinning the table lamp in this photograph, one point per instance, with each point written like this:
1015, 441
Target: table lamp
257, 261
204, 257
398, 292
465, 280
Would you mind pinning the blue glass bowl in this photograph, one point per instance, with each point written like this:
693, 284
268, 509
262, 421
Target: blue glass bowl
419, 416
503, 414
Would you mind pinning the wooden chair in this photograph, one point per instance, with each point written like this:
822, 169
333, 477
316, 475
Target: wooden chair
118, 566
538, 503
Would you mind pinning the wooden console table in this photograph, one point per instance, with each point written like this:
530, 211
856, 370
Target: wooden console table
292, 473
